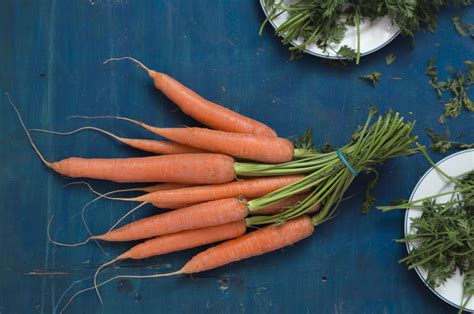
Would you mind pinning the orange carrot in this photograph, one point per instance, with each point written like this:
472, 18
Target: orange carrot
146, 189
284, 205
157, 225
246, 146
185, 240
151, 146
177, 242
163, 187
261, 241
255, 243
202, 110
193, 217
183, 168
251, 188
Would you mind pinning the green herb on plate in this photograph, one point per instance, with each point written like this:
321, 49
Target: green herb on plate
325, 23
442, 237
347, 52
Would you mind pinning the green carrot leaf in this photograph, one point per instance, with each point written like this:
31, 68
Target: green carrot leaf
373, 78
390, 58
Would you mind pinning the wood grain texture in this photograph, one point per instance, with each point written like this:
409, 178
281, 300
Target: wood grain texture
51, 56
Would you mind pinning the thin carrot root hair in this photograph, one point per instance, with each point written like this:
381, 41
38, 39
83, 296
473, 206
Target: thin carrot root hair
105, 195
50, 239
134, 209
83, 210
91, 237
47, 163
77, 131
97, 273
131, 59
142, 124
115, 278
100, 195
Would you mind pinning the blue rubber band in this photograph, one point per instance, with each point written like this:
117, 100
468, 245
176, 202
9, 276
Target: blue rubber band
344, 161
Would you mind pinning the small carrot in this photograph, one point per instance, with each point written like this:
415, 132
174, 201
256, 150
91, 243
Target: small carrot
255, 243
185, 240
284, 205
151, 146
208, 113
193, 217
196, 216
250, 188
246, 146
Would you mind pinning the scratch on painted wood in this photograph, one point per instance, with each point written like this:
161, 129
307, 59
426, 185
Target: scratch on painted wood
45, 273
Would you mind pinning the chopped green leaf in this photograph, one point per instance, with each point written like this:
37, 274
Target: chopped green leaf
305, 141
347, 52
390, 58
458, 85
432, 69
462, 29
373, 78
442, 144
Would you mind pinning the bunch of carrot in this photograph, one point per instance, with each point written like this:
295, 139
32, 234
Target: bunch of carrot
196, 171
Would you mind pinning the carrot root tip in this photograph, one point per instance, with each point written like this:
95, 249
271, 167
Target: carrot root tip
50, 239
128, 58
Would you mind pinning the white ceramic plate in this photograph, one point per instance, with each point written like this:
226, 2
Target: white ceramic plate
433, 183
373, 36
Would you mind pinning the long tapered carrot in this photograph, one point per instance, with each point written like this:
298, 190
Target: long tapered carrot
246, 146
193, 217
151, 146
255, 243
184, 168
185, 240
196, 216
284, 205
208, 113
249, 188
146, 189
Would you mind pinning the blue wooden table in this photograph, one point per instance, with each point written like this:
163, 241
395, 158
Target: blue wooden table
51, 56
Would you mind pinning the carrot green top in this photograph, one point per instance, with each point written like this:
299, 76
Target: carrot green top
330, 174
